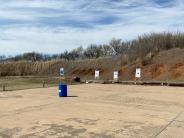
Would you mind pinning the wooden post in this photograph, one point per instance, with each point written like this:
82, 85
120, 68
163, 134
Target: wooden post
135, 82
4, 89
43, 84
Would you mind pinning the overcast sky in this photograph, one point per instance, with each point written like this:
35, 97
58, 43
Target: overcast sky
53, 26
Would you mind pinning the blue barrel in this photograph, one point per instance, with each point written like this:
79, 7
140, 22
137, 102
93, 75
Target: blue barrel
62, 90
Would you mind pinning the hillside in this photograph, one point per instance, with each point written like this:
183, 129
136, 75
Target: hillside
160, 55
165, 65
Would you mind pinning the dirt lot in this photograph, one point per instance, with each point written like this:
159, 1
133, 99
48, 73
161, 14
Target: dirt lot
93, 110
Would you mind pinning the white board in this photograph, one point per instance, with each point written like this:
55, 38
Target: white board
97, 74
62, 71
138, 73
115, 77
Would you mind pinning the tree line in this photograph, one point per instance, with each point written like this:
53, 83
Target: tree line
142, 47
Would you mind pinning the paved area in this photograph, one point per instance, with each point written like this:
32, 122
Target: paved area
93, 110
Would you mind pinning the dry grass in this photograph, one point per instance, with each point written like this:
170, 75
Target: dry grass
166, 65
19, 83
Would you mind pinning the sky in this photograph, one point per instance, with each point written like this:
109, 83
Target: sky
53, 26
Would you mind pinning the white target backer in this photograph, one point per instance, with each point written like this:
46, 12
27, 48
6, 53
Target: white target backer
62, 71
97, 74
115, 75
138, 73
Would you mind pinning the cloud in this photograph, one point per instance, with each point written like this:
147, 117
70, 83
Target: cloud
54, 26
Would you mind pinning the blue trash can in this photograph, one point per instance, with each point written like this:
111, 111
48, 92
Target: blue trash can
62, 90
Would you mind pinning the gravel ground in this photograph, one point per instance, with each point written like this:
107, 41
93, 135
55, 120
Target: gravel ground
93, 110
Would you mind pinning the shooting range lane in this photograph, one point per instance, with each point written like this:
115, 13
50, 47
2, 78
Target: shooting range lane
93, 110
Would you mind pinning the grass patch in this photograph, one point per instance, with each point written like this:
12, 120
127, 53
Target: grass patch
19, 83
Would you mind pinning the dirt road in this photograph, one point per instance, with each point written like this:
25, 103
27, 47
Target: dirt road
93, 110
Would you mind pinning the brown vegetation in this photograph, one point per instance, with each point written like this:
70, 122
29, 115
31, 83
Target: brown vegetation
161, 57
166, 65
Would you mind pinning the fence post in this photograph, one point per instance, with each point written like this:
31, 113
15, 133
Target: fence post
43, 84
4, 89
